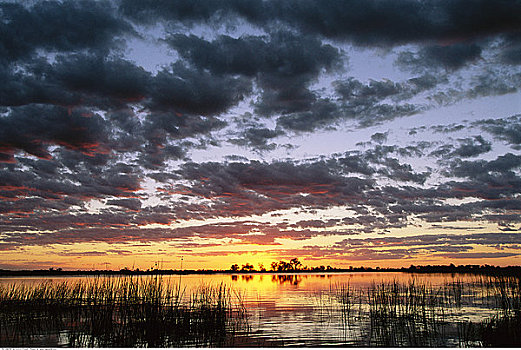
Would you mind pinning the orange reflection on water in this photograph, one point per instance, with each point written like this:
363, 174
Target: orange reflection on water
293, 309
273, 282
270, 292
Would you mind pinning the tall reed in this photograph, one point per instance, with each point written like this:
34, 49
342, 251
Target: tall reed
418, 314
504, 328
118, 312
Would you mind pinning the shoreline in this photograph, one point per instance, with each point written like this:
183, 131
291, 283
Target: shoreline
450, 269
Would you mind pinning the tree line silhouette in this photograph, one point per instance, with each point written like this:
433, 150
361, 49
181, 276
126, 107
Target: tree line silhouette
292, 266
280, 266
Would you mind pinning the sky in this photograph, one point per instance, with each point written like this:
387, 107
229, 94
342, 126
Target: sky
140, 133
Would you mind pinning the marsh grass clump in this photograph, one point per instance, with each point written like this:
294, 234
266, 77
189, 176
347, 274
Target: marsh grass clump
405, 315
418, 314
391, 314
466, 311
118, 312
504, 328
346, 298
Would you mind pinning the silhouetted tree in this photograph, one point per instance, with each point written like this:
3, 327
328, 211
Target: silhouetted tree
234, 267
247, 267
283, 266
295, 264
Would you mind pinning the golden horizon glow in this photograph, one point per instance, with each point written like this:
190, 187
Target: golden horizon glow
167, 255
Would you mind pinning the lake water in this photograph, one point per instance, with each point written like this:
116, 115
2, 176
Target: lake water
308, 310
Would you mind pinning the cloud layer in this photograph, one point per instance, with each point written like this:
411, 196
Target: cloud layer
99, 145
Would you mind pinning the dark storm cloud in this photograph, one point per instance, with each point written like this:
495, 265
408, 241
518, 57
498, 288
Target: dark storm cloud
316, 223
484, 170
193, 91
257, 138
379, 137
427, 241
160, 127
320, 114
68, 179
415, 149
156, 155
31, 128
20, 88
493, 182
58, 26
448, 227
174, 98
485, 179
511, 49
250, 131
325, 113
355, 163
186, 11
281, 54
95, 74
239, 189
374, 102
108, 83
108, 219
180, 126
104, 228
472, 147
507, 129
268, 177
468, 147
377, 101
395, 170
447, 128
283, 64
503, 218
449, 57
513, 55
75, 79
506, 204
130, 203
364, 23
242, 188
160, 136
493, 83
392, 168
478, 255
373, 223
91, 80
375, 91
245, 188
486, 187
287, 97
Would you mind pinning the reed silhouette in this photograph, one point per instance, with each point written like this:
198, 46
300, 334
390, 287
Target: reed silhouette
416, 314
118, 312
145, 311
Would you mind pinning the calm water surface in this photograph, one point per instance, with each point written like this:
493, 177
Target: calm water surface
302, 309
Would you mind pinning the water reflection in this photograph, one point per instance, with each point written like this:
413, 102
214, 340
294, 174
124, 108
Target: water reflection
247, 278
336, 308
287, 279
